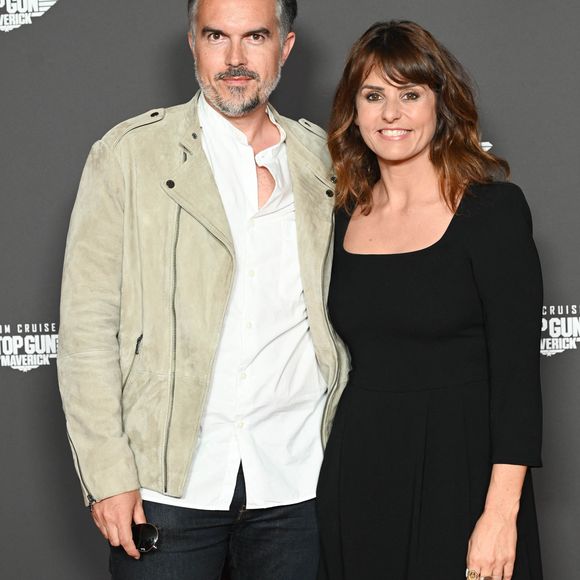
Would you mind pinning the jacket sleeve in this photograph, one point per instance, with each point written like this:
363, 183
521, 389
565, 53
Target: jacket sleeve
88, 361
508, 277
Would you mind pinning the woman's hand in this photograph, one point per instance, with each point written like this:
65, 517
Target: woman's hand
492, 546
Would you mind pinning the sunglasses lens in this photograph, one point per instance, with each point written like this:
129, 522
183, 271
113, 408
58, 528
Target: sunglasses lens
145, 537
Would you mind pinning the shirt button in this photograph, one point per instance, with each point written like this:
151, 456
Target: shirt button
249, 325
252, 273
240, 424
243, 376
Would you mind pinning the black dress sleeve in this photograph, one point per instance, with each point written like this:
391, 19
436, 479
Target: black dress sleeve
508, 277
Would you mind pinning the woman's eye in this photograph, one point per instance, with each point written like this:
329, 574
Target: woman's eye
411, 96
373, 96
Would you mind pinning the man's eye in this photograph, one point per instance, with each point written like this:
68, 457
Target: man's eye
215, 36
257, 37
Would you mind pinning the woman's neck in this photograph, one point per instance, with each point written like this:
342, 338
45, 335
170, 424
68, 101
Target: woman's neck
405, 185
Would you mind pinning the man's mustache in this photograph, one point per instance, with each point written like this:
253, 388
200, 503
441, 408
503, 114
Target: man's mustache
237, 72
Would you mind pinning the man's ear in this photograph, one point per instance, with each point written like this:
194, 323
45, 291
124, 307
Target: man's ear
191, 42
288, 46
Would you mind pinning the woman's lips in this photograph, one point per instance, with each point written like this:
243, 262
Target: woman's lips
394, 133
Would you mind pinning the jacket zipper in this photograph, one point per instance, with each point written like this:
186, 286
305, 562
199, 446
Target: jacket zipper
211, 365
90, 498
203, 402
331, 334
173, 347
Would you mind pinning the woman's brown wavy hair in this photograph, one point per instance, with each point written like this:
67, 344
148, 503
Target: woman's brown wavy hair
406, 53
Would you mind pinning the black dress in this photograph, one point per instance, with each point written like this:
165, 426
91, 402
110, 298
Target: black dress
444, 383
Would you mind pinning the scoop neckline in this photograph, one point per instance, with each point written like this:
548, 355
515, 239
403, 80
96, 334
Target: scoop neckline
426, 249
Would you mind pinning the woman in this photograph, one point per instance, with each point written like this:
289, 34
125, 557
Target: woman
436, 290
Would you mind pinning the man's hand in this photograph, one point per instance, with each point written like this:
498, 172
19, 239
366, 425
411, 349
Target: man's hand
114, 516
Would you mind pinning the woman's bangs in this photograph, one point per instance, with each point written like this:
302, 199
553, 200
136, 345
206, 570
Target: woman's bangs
404, 64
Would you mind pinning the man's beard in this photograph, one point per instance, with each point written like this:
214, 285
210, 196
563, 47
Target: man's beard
240, 104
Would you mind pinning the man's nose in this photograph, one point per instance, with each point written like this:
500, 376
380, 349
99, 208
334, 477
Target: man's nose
236, 55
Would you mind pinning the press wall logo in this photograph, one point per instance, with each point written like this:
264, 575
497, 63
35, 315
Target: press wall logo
17, 13
25, 347
560, 329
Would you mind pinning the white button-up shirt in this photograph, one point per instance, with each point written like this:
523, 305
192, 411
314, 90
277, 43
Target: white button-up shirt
267, 394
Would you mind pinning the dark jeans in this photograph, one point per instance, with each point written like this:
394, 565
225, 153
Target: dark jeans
279, 543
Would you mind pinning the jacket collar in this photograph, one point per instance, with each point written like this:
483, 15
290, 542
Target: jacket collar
193, 186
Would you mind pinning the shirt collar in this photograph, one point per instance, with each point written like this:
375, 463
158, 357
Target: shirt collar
213, 121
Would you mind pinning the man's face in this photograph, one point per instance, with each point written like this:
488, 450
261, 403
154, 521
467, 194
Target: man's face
238, 53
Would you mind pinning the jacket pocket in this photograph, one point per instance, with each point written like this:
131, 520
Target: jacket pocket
133, 359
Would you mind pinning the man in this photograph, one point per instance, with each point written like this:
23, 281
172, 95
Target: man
196, 357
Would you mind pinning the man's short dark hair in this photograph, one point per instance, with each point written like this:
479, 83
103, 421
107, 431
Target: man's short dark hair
286, 10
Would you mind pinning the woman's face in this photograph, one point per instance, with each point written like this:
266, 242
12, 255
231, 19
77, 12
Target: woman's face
397, 122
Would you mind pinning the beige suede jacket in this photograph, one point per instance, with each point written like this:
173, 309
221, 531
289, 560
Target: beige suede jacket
147, 277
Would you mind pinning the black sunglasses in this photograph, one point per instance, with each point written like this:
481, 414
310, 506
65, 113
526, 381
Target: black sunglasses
145, 537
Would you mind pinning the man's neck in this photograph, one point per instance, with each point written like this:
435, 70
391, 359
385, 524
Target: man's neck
256, 125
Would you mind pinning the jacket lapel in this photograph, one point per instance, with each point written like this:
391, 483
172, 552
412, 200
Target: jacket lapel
314, 203
193, 186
